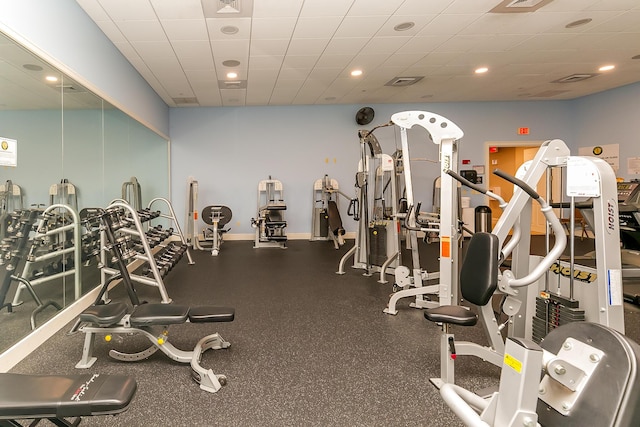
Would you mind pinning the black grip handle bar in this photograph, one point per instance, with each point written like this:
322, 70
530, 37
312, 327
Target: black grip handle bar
512, 179
466, 182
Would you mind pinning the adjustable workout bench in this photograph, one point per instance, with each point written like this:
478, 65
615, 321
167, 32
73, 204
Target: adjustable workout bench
149, 320
59, 397
152, 321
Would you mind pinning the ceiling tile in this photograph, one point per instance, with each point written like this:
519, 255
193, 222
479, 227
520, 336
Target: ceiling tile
325, 7
166, 9
265, 61
276, 8
125, 10
372, 8
300, 61
269, 47
387, 45
359, 26
307, 46
316, 27
448, 24
185, 29
345, 46
142, 31
273, 28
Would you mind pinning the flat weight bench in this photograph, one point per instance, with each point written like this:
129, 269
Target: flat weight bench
59, 397
152, 321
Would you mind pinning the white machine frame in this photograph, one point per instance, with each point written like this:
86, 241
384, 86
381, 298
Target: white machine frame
446, 135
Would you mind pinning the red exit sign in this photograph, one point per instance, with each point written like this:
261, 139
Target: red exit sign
523, 131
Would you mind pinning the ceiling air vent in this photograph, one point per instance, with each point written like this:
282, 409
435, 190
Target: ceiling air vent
403, 81
186, 101
232, 84
575, 78
227, 8
519, 6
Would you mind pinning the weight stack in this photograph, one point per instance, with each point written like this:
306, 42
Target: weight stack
553, 311
377, 244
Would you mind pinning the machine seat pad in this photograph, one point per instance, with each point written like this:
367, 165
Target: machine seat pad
276, 223
159, 314
204, 314
59, 396
451, 314
274, 207
104, 314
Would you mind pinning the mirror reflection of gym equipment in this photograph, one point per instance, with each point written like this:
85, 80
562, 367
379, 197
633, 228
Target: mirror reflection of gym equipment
270, 224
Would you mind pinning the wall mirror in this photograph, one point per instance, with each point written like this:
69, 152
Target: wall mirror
60, 145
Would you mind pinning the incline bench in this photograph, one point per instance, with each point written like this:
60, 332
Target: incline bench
59, 397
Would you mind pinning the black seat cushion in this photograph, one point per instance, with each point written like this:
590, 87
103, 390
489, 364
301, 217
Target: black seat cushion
105, 314
206, 313
451, 314
50, 396
158, 314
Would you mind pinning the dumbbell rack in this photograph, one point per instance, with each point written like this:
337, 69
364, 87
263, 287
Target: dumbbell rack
125, 225
48, 230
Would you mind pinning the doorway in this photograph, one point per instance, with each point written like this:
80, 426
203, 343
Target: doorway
508, 156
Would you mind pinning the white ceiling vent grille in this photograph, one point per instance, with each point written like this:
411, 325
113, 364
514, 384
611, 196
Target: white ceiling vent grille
519, 6
403, 81
232, 84
227, 8
191, 101
575, 78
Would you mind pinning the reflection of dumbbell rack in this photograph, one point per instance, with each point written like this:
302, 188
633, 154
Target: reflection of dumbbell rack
13, 249
55, 250
149, 252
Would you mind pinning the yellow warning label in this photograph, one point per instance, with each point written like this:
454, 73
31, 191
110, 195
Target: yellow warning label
514, 363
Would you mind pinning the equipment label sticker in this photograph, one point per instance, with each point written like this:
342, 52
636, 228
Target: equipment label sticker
512, 362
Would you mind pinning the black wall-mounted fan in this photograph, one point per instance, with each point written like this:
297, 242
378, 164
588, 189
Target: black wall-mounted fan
364, 116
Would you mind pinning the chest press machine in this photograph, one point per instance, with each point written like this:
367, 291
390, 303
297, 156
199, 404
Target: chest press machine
150, 320
591, 370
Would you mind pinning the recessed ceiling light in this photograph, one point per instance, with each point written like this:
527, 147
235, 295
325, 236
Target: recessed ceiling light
606, 68
404, 26
356, 73
578, 23
229, 30
51, 78
481, 70
231, 63
232, 75
32, 67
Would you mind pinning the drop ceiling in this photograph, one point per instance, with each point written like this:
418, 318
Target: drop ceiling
300, 52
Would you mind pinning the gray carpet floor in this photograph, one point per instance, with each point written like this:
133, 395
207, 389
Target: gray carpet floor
308, 347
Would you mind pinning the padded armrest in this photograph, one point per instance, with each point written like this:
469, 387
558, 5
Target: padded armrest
49, 396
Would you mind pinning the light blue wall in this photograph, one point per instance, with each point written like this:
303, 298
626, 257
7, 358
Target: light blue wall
61, 33
611, 117
229, 150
